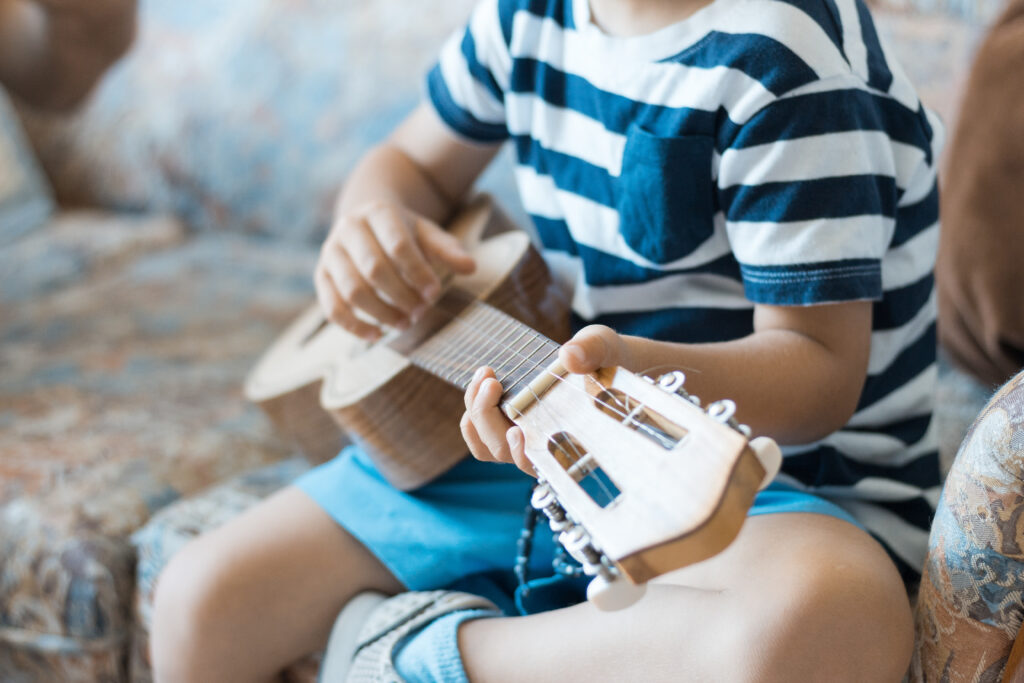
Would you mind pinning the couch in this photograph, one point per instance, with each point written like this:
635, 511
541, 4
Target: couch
163, 236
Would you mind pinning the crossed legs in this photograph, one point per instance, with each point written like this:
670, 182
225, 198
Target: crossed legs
798, 597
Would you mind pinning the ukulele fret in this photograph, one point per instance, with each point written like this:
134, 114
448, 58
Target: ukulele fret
482, 335
526, 357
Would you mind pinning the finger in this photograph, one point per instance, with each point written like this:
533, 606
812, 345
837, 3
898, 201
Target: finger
477, 448
398, 237
593, 347
336, 310
376, 265
517, 449
491, 424
474, 385
444, 247
356, 291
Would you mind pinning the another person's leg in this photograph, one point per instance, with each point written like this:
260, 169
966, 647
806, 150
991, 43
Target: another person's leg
243, 601
797, 597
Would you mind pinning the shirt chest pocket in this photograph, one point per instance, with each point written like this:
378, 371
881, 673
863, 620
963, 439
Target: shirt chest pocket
665, 194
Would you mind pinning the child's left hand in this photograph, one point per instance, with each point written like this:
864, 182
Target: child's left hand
490, 435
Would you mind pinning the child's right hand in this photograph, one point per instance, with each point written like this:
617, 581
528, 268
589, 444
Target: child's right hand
382, 261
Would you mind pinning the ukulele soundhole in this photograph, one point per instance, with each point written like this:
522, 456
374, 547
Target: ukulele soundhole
636, 416
584, 469
321, 323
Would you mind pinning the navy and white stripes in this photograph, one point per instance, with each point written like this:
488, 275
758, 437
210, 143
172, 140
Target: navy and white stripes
762, 151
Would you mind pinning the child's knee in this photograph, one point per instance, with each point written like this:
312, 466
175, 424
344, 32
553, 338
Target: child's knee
846, 618
188, 600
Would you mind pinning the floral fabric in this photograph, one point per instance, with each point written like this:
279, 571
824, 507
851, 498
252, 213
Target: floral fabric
25, 200
971, 602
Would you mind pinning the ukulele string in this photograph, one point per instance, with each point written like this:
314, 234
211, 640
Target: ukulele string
623, 411
456, 317
481, 334
481, 338
464, 353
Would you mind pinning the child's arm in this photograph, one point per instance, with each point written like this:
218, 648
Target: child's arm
797, 378
378, 256
53, 51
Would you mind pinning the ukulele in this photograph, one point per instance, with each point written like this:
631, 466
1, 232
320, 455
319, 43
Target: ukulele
633, 474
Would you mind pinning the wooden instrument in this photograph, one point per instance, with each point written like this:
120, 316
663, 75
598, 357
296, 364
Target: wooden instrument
633, 474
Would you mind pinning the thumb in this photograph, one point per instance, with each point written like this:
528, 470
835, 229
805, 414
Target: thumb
441, 247
593, 347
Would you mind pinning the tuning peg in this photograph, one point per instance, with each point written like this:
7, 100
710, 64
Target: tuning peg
544, 499
722, 411
613, 592
673, 382
770, 456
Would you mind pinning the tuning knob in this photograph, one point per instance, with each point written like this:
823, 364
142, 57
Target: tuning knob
611, 592
770, 456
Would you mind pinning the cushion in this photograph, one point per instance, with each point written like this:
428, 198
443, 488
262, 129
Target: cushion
25, 200
969, 607
245, 114
981, 294
121, 366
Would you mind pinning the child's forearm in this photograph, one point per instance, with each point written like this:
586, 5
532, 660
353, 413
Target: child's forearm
786, 384
387, 174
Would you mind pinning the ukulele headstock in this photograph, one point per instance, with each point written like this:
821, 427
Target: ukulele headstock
634, 475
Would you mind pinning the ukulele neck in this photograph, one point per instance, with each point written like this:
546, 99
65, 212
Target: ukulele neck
460, 334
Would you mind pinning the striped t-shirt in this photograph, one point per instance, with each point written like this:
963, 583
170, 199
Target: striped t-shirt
761, 151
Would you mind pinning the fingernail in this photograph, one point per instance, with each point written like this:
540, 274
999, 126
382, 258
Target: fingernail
478, 374
514, 438
417, 313
576, 353
430, 292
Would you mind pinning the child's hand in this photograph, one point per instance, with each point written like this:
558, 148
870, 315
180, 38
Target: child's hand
380, 261
490, 435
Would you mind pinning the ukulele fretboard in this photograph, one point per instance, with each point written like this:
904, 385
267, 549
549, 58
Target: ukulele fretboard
468, 334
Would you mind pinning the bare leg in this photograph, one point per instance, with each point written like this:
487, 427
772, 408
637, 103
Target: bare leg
797, 597
243, 601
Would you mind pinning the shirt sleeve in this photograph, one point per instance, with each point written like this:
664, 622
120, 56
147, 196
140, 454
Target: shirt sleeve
809, 187
467, 85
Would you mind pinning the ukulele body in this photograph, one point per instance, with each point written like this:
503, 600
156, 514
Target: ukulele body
322, 386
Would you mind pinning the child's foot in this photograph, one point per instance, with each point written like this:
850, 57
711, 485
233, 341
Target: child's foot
371, 628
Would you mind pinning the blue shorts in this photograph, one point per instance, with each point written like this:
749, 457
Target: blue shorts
464, 526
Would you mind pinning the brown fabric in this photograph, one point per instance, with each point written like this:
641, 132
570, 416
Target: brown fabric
981, 252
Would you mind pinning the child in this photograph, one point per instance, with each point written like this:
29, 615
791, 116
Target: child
744, 188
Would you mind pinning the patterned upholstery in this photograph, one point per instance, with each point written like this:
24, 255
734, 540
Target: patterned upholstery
971, 602
122, 352
25, 200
